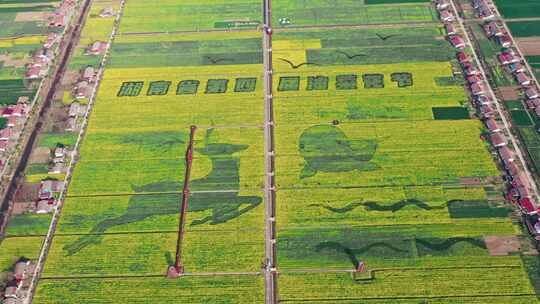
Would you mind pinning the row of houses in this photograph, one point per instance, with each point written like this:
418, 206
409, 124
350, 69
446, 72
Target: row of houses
15, 116
519, 185
448, 18
22, 273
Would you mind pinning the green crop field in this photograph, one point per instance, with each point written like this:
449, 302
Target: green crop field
525, 28
519, 9
377, 160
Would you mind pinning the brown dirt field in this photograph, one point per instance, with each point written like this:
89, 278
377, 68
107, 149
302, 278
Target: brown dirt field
502, 245
27, 193
10, 62
530, 46
31, 16
509, 93
470, 181
22, 207
39, 155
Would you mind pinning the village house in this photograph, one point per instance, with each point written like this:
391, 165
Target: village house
537, 111
492, 29
97, 48
8, 111
504, 40
506, 155
508, 57
82, 90
107, 12
497, 140
463, 58
522, 78
88, 74
533, 103
478, 3
472, 79
21, 270
3, 145
457, 42
446, 16
483, 100
5, 134
35, 72
512, 169
11, 291
52, 39
442, 4
487, 111
71, 124
470, 69
450, 29
11, 122
531, 93
478, 88
45, 206
516, 68
48, 188
492, 125
74, 109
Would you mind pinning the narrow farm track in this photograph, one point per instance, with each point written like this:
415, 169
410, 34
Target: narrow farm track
498, 106
270, 270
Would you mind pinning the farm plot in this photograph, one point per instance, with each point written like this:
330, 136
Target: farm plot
210, 289
21, 17
373, 164
518, 9
192, 15
126, 188
301, 13
525, 28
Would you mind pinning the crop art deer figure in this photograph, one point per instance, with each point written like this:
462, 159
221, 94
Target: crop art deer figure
225, 205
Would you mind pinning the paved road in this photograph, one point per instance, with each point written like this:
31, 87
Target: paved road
498, 105
270, 272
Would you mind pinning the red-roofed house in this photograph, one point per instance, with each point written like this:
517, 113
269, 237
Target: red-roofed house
11, 122
457, 42
527, 205
493, 29
523, 79
3, 145
52, 38
487, 111
492, 125
450, 29
471, 70
506, 155
508, 57
504, 40
483, 100
497, 140
478, 88
471, 79
516, 68
5, 134
462, 57
19, 110
533, 103
7, 112
446, 16
442, 4
531, 93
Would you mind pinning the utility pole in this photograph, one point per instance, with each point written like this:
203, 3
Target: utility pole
178, 268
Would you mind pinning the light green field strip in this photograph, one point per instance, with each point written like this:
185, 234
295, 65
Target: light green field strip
192, 15
405, 153
151, 254
317, 208
153, 213
320, 12
96, 27
215, 289
419, 284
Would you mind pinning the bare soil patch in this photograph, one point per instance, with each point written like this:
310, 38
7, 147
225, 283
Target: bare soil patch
40, 155
27, 193
11, 62
31, 16
510, 92
470, 181
502, 245
530, 46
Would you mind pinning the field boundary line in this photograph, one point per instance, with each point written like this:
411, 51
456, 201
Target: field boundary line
57, 210
334, 300
188, 274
